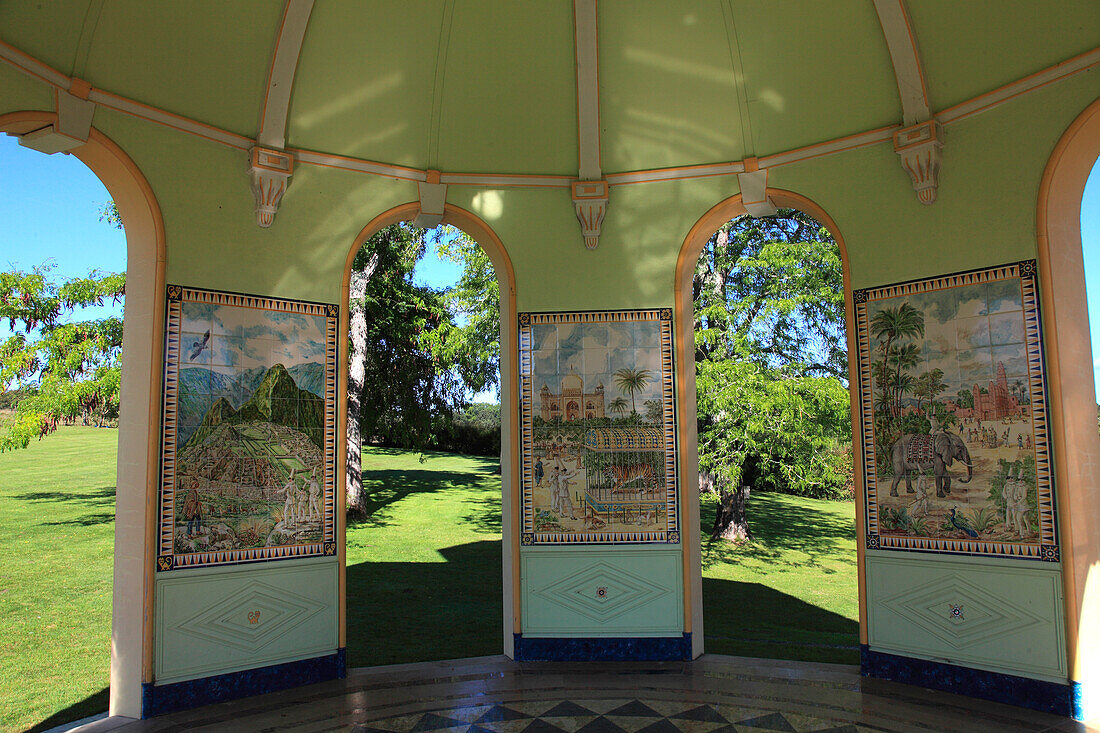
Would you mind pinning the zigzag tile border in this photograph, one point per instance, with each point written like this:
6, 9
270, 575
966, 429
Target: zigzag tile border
167, 558
663, 317
1046, 547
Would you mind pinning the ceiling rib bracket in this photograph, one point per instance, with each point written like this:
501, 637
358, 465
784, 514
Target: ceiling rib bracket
754, 190
74, 122
590, 199
921, 149
269, 176
433, 201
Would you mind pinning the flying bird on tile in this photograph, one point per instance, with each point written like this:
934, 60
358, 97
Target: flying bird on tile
197, 347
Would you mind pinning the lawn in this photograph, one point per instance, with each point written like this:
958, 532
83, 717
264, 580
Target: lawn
423, 572
57, 512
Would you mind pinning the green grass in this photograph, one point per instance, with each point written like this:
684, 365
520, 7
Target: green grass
424, 569
424, 572
57, 511
790, 593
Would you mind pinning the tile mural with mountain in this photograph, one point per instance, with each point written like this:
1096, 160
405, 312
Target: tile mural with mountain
954, 417
598, 427
249, 442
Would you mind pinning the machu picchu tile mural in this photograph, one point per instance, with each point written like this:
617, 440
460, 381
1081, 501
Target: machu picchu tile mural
954, 421
249, 442
598, 427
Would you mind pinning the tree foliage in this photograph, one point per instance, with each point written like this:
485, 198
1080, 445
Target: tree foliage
771, 357
421, 362
70, 368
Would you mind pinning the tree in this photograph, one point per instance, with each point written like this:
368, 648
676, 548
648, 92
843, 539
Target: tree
475, 299
411, 365
618, 406
70, 367
771, 363
631, 381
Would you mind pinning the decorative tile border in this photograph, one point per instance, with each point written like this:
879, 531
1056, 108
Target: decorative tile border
603, 649
1045, 547
662, 318
167, 557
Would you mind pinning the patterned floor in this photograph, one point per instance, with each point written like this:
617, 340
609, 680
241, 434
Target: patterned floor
713, 694
604, 716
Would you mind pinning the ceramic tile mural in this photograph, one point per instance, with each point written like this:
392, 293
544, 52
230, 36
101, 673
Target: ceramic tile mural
598, 427
954, 416
249, 429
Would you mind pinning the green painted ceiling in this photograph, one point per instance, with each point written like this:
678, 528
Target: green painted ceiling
488, 86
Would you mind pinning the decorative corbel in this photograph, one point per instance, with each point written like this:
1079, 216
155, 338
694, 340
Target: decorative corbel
74, 122
590, 199
269, 175
433, 201
754, 190
921, 149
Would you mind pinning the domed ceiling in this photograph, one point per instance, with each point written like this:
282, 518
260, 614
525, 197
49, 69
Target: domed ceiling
494, 87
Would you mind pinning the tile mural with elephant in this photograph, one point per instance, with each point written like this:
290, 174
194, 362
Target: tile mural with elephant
597, 427
249, 429
953, 412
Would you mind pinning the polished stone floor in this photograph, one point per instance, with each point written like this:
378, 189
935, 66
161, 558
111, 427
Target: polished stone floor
714, 694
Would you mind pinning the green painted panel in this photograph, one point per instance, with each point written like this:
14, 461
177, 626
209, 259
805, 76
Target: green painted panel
997, 43
594, 591
653, 59
49, 31
1000, 616
813, 71
213, 238
22, 92
205, 59
376, 101
509, 94
985, 210
221, 620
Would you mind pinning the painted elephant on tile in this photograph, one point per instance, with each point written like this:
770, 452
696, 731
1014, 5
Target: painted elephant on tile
914, 453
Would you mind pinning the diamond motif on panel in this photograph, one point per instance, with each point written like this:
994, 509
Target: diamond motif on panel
931, 607
621, 592
253, 618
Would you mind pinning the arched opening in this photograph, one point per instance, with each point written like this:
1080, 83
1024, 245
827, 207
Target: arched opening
139, 408
742, 276
478, 555
1073, 394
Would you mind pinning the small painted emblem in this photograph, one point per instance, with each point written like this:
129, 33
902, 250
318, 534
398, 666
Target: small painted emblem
956, 612
164, 562
253, 617
601, 592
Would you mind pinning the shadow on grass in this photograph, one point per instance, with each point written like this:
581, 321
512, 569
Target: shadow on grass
779, 528
414, 612
384, 487
91, 705
88, 520
102, 495
753, 620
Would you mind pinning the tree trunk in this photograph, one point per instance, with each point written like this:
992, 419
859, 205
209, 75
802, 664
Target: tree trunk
357, 369
730, 523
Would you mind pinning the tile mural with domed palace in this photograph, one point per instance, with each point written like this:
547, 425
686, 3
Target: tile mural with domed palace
248, 444
954, 420
598, 427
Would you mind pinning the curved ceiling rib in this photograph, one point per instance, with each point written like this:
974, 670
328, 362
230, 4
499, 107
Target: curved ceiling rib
893, 16
280, 77
590, 192
37, 69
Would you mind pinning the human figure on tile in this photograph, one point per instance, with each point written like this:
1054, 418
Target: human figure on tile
290, 506
192, 509
539, 471
555, 486
314, 496
564, 500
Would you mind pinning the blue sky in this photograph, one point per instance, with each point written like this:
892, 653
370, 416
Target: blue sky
50, 204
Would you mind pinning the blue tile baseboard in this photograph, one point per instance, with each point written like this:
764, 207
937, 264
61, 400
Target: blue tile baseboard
1049, 697
603, 649
158, 700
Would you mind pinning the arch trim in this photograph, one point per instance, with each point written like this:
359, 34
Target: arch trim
484, 235
692, 247
140, 407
